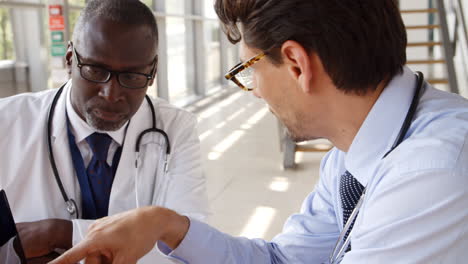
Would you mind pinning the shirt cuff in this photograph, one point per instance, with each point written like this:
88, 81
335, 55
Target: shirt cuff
192, 247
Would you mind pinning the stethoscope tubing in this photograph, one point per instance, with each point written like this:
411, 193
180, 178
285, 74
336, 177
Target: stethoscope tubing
71, 204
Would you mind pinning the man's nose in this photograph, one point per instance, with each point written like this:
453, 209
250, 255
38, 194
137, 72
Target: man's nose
111, 90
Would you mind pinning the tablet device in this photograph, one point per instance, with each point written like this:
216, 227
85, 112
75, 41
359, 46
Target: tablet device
8, 226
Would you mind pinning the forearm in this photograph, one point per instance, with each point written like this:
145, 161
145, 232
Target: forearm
205, 244
42, 237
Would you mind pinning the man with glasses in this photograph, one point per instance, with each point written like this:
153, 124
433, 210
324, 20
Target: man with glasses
96, 126
394, 190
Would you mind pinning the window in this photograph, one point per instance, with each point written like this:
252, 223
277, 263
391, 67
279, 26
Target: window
191, 51
178, 62
6, 36
149, 3
209, 11
77, 2
175, 6
213, 55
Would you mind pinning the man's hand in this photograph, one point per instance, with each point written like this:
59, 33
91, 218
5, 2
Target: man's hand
42, 237
124, 238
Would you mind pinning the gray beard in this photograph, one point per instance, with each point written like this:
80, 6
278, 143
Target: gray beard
102, 125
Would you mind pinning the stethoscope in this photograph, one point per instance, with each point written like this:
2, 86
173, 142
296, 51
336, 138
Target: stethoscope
71, 205
340, 247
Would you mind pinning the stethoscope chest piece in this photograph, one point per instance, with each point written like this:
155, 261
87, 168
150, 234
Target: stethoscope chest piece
71, 208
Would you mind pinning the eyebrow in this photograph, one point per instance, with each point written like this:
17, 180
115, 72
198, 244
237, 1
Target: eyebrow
104, 65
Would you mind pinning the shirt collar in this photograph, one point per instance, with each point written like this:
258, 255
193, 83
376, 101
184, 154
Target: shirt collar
381, 127
81, 130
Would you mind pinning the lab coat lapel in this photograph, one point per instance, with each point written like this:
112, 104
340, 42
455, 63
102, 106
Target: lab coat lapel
123, 194
123, 188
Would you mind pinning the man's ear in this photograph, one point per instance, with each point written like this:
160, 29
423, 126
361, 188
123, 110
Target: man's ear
152, 80
69, 57
155, 71
298, 61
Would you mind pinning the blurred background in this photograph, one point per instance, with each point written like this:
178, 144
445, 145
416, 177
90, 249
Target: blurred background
256, 176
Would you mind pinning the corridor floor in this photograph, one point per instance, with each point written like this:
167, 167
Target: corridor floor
250, 194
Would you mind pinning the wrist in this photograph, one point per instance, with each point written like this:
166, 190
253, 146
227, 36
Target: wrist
175, 226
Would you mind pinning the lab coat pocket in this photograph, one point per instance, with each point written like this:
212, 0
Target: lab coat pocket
150, 173
162, 182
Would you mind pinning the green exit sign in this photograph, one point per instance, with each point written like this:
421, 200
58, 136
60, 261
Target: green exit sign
58, 50
57, 36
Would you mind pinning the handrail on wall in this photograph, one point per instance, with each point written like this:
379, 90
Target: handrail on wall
461, 18
450, 35
458, 10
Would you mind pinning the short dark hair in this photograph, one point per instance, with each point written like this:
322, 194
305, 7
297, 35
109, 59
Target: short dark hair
128, 12
360, 42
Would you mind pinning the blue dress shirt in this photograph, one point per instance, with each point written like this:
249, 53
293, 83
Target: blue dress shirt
416, 204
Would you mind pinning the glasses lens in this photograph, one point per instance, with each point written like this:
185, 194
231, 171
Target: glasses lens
133, 80
246, 77
94, 74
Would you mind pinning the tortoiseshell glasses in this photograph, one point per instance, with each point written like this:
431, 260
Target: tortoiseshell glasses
242, 73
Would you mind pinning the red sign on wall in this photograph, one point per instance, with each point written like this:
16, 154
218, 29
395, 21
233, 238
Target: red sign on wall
55, 10
56, 23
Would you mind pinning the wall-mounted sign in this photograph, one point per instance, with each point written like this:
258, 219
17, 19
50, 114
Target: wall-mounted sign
56, 36
56, 23
55, 10
58, 50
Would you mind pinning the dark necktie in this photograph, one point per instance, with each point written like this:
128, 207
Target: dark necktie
350, 192
99, 173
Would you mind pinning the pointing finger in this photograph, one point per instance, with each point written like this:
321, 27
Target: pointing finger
75, 254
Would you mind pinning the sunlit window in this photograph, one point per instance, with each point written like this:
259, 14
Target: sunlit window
6, 36
77, 2
209, 9
192, 54
175, 6
149, 3
213, 58
179, 60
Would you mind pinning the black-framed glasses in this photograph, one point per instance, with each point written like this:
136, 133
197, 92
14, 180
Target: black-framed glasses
98, 74
242, 73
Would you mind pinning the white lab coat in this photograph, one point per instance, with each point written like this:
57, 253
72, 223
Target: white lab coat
27, 177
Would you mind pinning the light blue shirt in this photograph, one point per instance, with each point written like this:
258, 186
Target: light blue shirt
416, 205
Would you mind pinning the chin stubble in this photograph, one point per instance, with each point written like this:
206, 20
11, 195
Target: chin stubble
102, 125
